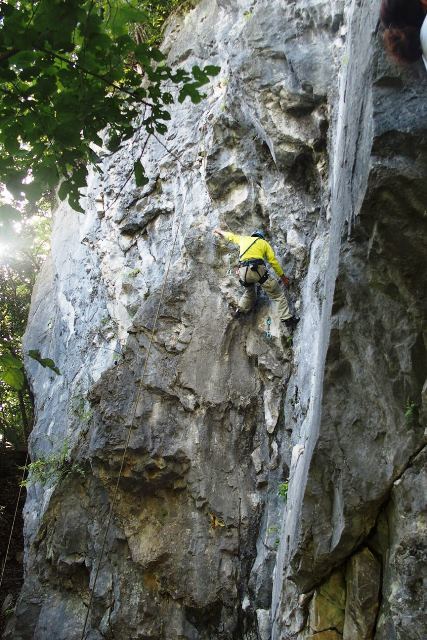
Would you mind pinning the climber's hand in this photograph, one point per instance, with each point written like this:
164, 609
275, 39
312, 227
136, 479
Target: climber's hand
285, 280
218, 232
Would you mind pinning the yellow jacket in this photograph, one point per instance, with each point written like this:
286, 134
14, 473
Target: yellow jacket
259, 249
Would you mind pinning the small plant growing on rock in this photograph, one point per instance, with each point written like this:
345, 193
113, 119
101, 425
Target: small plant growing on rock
182, 6
53, 467
134, 272
81, 409
410, 412
283, 489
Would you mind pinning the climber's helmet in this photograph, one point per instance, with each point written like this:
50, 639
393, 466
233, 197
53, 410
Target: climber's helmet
258, 234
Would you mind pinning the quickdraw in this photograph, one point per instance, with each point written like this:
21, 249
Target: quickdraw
268, 332
230, 268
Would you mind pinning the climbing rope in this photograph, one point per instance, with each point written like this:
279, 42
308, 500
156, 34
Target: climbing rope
21, 484
133, 413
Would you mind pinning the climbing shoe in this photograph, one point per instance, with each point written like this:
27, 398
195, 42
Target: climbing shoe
237, 314
291, 323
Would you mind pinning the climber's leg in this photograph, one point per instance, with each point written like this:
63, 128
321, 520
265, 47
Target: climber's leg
275, 292
248, 299
250, 277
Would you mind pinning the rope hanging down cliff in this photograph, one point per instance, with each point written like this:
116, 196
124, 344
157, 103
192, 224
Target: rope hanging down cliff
133, 413
15, 513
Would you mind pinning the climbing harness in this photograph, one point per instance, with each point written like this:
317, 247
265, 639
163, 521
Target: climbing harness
253, 265
268, 332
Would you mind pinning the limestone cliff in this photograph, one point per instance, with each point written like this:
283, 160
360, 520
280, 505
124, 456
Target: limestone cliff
311, 134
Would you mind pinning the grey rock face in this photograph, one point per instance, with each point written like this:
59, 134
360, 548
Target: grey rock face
401, 527
357, 438
309, 133
362, 597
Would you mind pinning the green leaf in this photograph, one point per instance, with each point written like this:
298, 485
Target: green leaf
190, 90
124, 16
45, 86
11, 371
33, 190
74, 202
113, 143
211, 70
8, 361
63, 190
45, 362
23, 58
47, 174
156, 55
13, 377
129, 14
10, 139
140, 177
101, 41
167, 98
199, 75
161, 128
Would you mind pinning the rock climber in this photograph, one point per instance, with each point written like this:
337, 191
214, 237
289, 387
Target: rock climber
254, 250
405, 29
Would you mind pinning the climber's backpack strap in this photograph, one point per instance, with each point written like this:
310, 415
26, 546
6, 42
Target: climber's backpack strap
246, 250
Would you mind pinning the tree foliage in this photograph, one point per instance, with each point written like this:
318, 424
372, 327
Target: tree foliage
15, 404
70, 69
17, 273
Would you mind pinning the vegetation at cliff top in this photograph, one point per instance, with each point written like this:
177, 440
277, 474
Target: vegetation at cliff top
70, 69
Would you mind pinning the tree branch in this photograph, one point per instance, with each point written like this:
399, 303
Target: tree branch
8, 54
76, 66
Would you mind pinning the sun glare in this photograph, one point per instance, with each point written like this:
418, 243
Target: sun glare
4, 250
